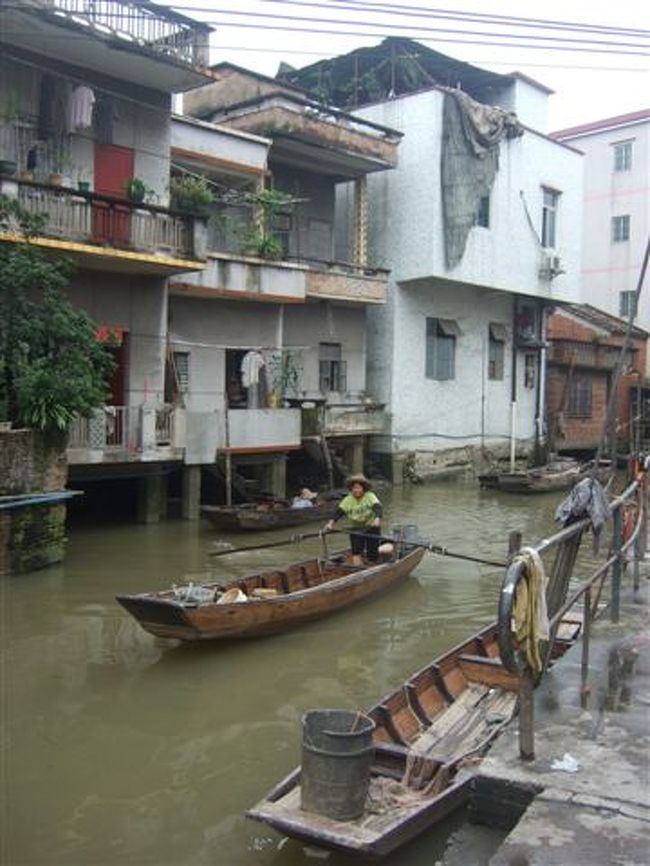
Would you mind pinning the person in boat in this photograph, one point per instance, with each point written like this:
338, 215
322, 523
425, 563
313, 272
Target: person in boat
363, 510
305, 499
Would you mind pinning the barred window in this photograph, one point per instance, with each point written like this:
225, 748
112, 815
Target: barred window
627, 304
580, 397
332, 370
550, 203
496, 350
440, 360
181, 362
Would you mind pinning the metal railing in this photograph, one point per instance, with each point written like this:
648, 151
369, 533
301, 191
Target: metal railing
106, 221
629, 516
143, 24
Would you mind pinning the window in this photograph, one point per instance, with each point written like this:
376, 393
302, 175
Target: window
181, 371
281, 230
627, 304
580, 397
496, 350
530, 370
332, 374
441, 348
550, 201
623, 156
483, 214
620, 228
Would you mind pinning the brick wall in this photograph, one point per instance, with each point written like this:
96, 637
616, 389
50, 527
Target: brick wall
31, 536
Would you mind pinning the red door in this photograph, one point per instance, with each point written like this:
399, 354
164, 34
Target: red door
113, 169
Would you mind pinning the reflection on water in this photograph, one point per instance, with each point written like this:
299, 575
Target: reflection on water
121, 748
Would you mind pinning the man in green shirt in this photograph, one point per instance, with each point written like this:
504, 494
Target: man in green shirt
364, 512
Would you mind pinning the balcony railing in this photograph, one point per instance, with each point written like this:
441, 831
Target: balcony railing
579, 354
108, 222
124, 431
143, 24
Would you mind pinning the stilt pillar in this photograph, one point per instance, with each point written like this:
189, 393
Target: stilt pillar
354, 456
149, 499
275, 476
191, 493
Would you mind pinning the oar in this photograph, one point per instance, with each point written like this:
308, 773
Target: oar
426, 545
294, 539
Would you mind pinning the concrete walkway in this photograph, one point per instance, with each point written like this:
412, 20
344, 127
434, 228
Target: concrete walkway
585, 799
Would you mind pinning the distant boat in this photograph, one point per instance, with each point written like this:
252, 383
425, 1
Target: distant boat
425, 730
269, 601
260, 516
558, 475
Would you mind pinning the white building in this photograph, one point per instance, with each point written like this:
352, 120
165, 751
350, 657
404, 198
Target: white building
616, 210
458, 351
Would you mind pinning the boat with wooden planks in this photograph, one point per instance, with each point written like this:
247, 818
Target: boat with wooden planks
269, 601
427, 731
260, 516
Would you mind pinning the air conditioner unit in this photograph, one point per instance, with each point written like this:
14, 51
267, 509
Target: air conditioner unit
550, 266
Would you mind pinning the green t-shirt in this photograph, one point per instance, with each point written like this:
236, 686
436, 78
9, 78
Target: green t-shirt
360, 512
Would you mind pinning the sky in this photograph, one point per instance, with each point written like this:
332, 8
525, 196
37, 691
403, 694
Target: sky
588, 85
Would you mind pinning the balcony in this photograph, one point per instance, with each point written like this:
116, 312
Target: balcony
591, 355
108, 232
126, 434
139, 42
258, 430
340, 281
359, 418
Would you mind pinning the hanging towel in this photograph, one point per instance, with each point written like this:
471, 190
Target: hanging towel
80, 109
251, 364
529, 613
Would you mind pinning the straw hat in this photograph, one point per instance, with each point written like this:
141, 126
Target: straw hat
358, 479
306, 493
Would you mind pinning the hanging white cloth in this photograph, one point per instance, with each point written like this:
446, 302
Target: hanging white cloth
80, 108
251, 364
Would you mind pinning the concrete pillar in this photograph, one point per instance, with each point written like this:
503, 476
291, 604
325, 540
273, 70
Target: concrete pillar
360, 221
191, 494
149, 499
354, 456
397, 462
274, 474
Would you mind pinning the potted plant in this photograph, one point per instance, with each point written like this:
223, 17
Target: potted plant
285, 368
190, 194
136, 190
83, 183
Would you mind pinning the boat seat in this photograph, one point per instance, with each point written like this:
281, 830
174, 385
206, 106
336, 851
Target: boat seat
488, 671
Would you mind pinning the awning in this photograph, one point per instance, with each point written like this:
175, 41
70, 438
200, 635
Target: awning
449, 327
498, 332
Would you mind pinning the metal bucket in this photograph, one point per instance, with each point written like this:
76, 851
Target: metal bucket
337, 755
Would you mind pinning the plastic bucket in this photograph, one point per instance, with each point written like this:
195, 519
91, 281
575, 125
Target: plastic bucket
337, 755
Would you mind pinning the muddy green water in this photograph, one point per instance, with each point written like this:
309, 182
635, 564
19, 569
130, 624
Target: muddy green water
120, 748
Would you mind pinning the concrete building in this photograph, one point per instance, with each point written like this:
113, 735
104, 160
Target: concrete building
85, 100
275, 283
616, 210
458, 350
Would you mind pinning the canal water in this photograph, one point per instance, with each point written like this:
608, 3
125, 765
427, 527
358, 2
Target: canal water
121, 748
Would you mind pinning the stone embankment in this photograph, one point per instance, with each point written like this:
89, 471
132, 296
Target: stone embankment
585, 798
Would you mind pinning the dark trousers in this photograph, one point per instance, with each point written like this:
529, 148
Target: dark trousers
364, 541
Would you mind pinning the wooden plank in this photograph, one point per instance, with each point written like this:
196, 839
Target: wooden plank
488, 671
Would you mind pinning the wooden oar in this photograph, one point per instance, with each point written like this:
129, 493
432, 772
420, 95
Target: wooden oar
426, 545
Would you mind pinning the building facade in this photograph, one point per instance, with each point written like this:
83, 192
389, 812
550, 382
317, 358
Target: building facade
458, 352
616, 210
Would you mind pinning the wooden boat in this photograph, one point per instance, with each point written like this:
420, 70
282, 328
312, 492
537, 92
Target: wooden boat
559, 475
271, 601
260, 516
442, 716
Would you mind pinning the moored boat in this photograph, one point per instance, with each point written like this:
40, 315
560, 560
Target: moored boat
559, 475
269, 601
426, 730
260, 516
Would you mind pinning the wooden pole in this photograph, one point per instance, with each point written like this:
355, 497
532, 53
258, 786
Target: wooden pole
616, 567
526, 717
586, 633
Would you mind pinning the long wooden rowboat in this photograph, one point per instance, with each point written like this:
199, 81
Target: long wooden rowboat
258, 517
272, 601
442, 716
561, 475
